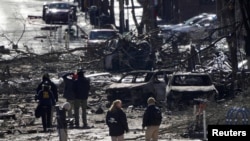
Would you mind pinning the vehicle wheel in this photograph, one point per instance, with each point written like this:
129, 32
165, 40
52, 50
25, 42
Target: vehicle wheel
47, 20
211, 97
75, 19
43, 14
172, 104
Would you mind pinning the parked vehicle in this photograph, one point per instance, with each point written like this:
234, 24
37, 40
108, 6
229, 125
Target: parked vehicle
135, 87
166, 31
96, 40
198, 31
184, 87
59, 12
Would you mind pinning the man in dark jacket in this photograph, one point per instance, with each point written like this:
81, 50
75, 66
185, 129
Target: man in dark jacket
46, 101
81, 89
68, 92
152, 119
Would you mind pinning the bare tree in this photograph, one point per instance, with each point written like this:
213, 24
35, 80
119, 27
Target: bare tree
112, 12
226, 15
245, 6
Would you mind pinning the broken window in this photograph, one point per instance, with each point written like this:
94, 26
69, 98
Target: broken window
187, 80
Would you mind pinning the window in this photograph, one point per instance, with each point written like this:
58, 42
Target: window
127, 79
191, 80
101, 35
59, 6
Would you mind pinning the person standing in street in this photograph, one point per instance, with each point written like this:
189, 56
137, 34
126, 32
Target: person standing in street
81, 88
152, 119
46, 101
53, 86
69, 93
117, 121
53, 89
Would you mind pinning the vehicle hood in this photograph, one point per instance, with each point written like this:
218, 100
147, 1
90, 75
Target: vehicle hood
170, 27
125, 85
192, 88
185, 28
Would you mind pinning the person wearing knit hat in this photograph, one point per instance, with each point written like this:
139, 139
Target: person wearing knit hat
152, 119
151, 100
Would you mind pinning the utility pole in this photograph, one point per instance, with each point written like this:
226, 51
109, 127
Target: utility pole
121, 8
69, 27
127, 20
152, 6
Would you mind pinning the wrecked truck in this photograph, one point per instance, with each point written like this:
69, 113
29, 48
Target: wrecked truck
135, 87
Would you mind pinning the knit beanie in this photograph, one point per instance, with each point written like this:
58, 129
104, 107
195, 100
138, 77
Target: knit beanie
151, 100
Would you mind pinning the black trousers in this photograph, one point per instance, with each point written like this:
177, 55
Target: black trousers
46, 117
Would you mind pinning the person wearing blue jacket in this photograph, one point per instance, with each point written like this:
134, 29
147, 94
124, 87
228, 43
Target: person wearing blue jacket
81, 89
117, 121
46, 101
152, 119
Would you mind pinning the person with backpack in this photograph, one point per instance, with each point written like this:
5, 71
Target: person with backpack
46, 101
53, 86
117, 121
152, 119
53, 89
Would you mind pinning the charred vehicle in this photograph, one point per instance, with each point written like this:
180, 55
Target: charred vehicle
58, 11
183, 88
134, 87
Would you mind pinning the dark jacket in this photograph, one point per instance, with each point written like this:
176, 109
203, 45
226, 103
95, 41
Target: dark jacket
46, 98
117, 122
53, 88
152, 116
81, 88
68, 87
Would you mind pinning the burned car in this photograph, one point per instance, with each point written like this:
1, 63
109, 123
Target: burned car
184, 87
58, 11
134, 87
